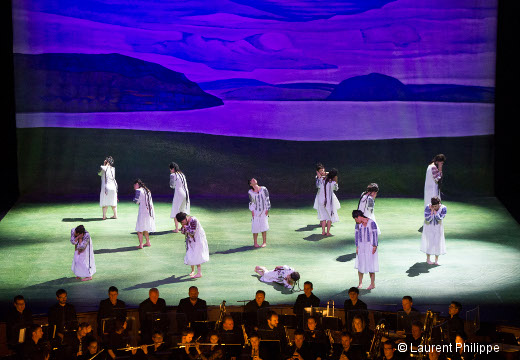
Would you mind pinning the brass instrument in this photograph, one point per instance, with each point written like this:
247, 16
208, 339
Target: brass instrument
429, 323
375, 345
221, 315
247, 341
289, 342
331, 340
328, 304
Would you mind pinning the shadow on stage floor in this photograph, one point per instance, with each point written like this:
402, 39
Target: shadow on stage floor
235, 250
80, 220
169, 280
346, 257
420, 268
280, 288
121, 249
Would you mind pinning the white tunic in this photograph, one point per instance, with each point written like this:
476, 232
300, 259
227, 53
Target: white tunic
197, 251
366, 205
431, 184
83, 264
259, 203
328, 204
278, 276
366, 239
432, 239
108, 194
319, 201
146, 215
181, 198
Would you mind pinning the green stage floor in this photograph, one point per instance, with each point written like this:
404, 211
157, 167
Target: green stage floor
481, 267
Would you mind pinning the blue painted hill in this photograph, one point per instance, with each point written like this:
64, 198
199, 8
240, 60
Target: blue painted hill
102, 83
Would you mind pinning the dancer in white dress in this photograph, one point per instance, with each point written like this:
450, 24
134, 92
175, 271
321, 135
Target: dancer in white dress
181, 198
328, 202
83, 264
366, 248
259, 205
433, 178
282, 274
367, 202
432, 240
319, 201
197, 251
146, 216
108, 194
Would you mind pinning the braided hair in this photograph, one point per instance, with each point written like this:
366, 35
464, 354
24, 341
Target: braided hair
372, 187
174, 166
330, 176
148, 195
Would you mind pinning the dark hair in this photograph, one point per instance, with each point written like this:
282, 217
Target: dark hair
187, 331
295, 275
308, 283
91, 341
153, 290
389, 342
80, 229
249, 182
408, 297
357, 213
372, 187
458, 305
175, 167
110, 160
331, 175
347, 333
181, 216
319, 166
158, 332
61, 292
435, 200
313, 318
270, 314
148, 196
260, 292
353, 289
34, 327
299, 332
19, 297
417, 323
112, 289
254, 334
83, 325
193, 287
213, 332
438, 158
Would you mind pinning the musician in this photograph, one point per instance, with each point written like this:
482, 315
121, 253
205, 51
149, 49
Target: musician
346, 351
300, 350
407, 316
33, 346
353, 306
119, 340
317, 339
434, 354
152, 315
209, 352
187, 346
361, 335
62, 316
74, 344
414, 339
92, 350
111, 308
252, 309
159, 350
255, 351
193, 308
389, 351
230, 335
18, 317
459, 352
307, 299
273, 334
455, 323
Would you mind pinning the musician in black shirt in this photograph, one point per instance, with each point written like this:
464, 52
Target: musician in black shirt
305, 300
19, 317
109, 310
62, 316
152, 315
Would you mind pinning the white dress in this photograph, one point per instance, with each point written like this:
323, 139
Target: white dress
181, 198
83, 264
108, 194
330, 201
259, 203
146, 215
197, 251
366, 239
278, 276
432, 239
366, 205
431, 184
319, 201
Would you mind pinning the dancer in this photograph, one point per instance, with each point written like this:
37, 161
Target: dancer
181, 198
196, 244
283, 275
432, 240
433, 178
367, 202
259, 205
331, 201
108, 195
83, 264
146, 216
319, 200
366, 248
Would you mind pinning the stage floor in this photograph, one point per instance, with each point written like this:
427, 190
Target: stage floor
481, 266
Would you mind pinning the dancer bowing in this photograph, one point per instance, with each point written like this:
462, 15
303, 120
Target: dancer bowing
83, 264
366, 248
181, 198
146, 216
196, 244
259, 205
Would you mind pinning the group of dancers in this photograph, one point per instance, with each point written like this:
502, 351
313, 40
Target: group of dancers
326, 203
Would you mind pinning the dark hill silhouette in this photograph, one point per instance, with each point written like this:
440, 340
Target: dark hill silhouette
371, 87
100, 83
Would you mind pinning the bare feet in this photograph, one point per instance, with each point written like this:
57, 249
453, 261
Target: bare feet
175, 231
87, 278
263, 245
104, 217
147, 244
372, 286
323, 233
360, 286
436, 263
139, 246
192, 273
430, 262
198, 275
114, 217
257, 246
328, 234
77, 277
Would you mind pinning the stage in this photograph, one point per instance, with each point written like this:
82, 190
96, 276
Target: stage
480, 268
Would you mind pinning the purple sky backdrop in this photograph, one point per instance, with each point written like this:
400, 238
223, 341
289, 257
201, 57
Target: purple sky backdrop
416, 41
